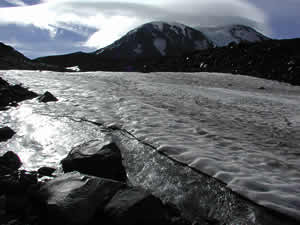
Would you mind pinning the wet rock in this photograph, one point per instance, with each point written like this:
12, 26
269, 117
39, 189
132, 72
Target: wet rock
6, 133
96, 158
75, 198
133, 206
11, 161
18, 182
45, 171
47, 97
11, 94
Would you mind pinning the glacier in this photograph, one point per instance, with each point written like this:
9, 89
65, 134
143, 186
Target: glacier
243, 131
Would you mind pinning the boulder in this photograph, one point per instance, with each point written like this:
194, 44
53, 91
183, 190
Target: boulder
46, 171
74, 198
11, 161
133, 206
6, 133
47, 97
97, 159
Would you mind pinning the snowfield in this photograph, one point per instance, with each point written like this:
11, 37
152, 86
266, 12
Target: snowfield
243, 131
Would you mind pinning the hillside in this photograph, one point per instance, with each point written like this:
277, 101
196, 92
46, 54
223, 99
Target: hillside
272, 59
12, 59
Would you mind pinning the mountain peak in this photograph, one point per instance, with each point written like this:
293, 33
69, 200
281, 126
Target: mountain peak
156, 39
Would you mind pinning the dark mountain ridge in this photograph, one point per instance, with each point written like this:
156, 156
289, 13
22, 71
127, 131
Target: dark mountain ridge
12, 59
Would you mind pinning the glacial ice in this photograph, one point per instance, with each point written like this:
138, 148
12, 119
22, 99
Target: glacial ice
220, 124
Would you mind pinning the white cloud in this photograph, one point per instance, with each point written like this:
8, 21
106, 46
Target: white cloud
113, 19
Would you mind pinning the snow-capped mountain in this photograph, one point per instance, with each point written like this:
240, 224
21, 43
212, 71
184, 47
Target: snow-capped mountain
223, 35
156, 39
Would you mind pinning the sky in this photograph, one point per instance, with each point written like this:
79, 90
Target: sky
49, 27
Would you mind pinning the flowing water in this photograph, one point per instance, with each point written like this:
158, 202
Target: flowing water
243, 131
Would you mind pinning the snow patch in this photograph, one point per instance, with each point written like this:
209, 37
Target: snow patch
158, 25
138, 49
161, 45
222, 36
99, 52
74, 68
182, 27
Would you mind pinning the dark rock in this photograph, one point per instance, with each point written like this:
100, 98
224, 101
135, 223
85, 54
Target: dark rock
10, 160
75, 198
16, 203
11, 94
47, 97
133, 206
2, 204
261, 88
6, 133
18, 182
45, 171
96, 158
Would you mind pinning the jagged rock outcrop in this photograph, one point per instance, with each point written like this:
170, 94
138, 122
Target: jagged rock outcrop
96, 158
12, 94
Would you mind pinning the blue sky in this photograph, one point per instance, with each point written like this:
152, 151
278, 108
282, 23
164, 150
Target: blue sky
47, 27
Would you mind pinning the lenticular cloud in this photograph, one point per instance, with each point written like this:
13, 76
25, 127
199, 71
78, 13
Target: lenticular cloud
114, 19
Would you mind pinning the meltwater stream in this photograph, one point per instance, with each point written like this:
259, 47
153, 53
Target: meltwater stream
243, 131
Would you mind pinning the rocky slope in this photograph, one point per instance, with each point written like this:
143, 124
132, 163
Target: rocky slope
272, 59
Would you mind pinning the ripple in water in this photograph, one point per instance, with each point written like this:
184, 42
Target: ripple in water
243, 136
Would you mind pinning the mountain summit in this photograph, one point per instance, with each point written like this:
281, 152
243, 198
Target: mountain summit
156, 39
223, 35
